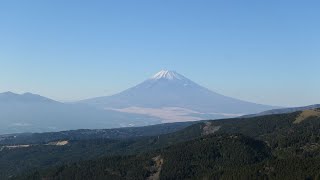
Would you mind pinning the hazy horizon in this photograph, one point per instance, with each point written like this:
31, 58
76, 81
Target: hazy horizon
262, 52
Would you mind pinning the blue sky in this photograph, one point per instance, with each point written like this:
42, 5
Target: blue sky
260, 51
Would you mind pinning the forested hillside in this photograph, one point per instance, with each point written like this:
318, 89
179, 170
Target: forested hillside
267, 147
187, 160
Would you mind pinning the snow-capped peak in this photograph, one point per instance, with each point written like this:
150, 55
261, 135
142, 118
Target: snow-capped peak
165, 74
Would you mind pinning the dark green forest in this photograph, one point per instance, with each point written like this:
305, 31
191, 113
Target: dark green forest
265, 147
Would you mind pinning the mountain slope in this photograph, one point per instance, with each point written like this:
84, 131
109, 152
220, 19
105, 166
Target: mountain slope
87, 134
284, 110
170, 89
9, 97
33, 113
192, 160
287, 140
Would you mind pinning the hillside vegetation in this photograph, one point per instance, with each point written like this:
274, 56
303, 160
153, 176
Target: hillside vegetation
266, 147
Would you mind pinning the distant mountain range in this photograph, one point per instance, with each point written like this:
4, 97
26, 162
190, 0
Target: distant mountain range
33, 113
9, 97
166, 97
171, 95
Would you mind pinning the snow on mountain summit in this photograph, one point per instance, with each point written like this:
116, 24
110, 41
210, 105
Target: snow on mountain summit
165, 74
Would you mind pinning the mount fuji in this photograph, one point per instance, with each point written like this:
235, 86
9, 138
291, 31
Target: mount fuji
165, 97
173, 97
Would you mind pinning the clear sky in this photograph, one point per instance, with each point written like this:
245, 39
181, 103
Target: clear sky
260, 51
